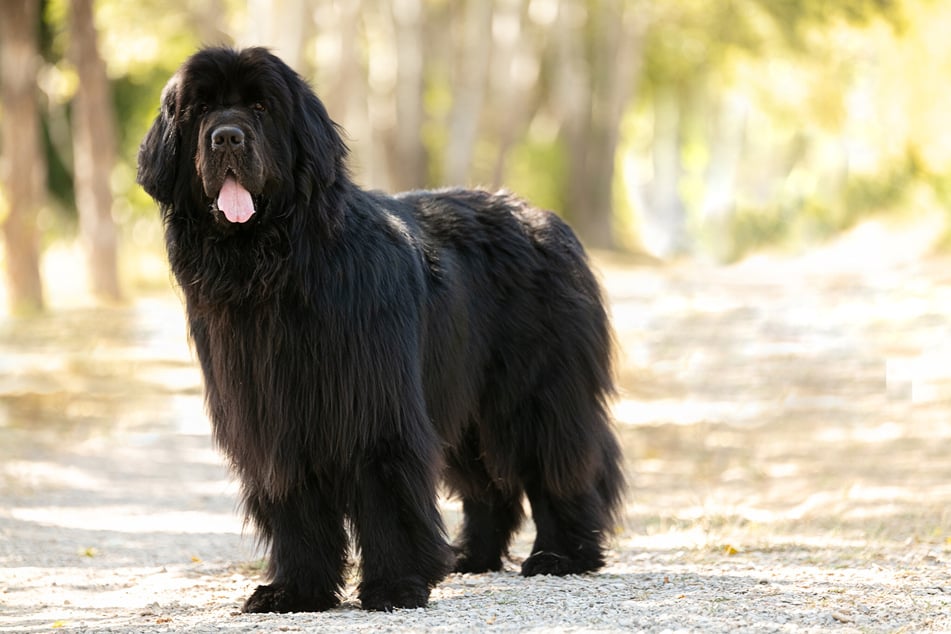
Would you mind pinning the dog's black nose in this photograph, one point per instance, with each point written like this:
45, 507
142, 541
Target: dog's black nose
227, 137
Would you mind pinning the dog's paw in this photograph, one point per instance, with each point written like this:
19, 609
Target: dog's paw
279, 597
549, 563
386, 596
469, 563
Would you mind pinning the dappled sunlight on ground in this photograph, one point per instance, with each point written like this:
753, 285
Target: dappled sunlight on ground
782, 397
786, 424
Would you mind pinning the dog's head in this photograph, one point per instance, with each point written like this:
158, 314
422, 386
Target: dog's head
240, 136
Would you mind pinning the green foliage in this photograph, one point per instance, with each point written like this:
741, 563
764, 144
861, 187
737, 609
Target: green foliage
690, 38
136, 99
59, 176
868, 194
751, 228
794, 18
792, 220
437, 101
137, 78
538, 171
832, 92
794, 61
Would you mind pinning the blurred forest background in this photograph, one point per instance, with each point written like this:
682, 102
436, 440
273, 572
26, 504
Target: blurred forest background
674, 128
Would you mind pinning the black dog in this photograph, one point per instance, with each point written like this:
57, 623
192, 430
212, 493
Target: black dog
358, 347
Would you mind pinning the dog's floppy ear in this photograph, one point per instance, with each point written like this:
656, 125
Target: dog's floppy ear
158, 153
321, 151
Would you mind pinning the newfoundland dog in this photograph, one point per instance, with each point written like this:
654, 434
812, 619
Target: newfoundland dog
357, 348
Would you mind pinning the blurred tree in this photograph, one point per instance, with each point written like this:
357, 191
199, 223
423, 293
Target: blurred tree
520, 33
470, 80
664, 219
598, 55
281, 25
407, 155
209, 19
23, 168
693, 51
794, 19
94, 151
742, 120
341, 80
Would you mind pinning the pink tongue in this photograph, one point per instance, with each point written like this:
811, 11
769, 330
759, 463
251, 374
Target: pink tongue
235, 201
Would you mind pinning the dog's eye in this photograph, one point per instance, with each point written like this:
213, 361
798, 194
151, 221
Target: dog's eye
201, 108
257, 106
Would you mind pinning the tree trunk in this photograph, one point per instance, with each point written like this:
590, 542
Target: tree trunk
22, 170
572, 100
342, 84
94, 152
514, 84
408, 160
468, 89
206, 18
284, 27
593, 95
726, 152
664, 224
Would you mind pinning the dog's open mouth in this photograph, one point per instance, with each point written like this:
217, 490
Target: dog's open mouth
234, 201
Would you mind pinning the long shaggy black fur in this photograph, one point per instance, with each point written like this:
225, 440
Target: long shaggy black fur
359, 347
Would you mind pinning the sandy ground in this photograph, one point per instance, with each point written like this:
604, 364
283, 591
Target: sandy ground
786, 424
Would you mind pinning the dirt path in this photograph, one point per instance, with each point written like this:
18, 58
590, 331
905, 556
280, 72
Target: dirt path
787, 427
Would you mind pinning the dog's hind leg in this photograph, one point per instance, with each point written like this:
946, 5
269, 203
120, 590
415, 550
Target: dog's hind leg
569, 533
573, 480
488, 524
491, 514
